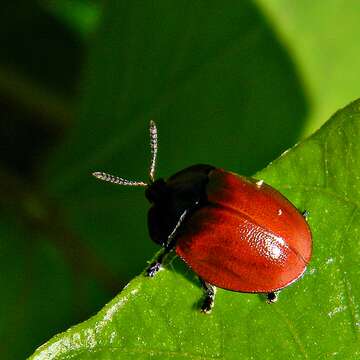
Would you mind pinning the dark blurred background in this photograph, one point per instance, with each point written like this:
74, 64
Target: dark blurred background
232, 85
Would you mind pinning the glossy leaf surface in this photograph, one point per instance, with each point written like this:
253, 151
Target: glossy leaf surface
318, 317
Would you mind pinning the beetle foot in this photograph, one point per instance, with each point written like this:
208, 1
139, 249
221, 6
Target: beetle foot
305, 214
207, 305
210, 292
271, 297
153, 269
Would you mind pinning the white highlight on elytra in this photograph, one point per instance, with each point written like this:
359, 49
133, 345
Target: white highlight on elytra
259, 183
272, 247
266, 243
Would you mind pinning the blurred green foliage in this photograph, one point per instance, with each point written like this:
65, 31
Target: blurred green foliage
231, 85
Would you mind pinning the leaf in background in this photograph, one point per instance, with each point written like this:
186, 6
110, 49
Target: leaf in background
81, 16
28, 286
315, 318
39, 66
215, 80
36, 46
320, 39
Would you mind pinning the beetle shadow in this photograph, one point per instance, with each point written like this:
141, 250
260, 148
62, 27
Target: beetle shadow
174, 263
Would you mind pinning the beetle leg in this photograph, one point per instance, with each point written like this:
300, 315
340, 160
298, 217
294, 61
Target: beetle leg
305, 214
154, 267
168, 247
210, 291
271, 297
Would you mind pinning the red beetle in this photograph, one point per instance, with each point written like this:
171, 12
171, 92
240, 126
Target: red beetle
234, 232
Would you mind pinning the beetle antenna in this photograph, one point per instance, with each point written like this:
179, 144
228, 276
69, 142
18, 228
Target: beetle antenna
120, 181
117, 180
154, 149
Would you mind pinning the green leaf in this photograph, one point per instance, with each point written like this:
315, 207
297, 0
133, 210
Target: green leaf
318, 317
320, 40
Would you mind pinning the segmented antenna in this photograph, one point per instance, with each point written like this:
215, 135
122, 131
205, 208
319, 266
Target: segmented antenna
117, 180
120, 181
154, 149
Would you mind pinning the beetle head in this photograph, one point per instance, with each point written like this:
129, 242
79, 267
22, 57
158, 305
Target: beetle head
157, 191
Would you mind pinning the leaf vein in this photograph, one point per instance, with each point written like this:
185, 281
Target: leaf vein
347, 286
